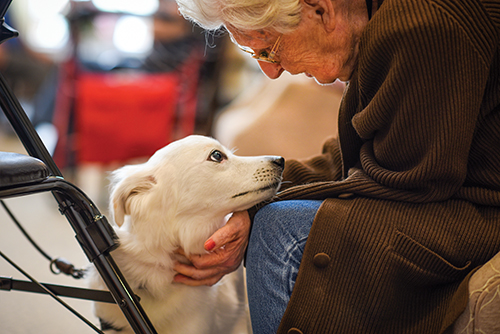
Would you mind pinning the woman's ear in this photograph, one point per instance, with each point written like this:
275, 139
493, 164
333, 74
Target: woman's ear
322, 10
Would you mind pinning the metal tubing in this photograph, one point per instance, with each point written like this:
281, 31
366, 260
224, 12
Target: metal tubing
9, 284
4, 5
83, 215
24, 128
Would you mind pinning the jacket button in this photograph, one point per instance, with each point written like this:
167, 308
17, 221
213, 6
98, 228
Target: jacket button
321, 260
294, 331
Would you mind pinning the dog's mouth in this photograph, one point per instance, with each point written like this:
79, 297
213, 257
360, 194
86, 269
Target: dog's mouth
266, 188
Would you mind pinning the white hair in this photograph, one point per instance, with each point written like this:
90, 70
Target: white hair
280, 15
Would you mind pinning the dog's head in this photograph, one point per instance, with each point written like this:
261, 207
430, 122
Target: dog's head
194, 179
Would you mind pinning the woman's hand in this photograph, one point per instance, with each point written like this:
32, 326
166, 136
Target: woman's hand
226, 246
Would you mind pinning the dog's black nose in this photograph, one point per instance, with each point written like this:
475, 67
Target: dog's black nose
280, 161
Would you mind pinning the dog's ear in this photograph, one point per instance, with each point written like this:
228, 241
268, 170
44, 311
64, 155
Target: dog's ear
126, 186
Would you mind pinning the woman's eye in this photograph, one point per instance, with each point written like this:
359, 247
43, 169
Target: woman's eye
264, 54
217, 156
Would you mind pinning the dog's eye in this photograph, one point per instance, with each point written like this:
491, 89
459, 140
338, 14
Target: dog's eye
217, 156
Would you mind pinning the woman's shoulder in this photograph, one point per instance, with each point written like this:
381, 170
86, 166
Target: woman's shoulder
470, 15
415, 25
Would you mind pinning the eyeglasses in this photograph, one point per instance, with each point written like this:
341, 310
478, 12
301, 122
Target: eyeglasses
264, 55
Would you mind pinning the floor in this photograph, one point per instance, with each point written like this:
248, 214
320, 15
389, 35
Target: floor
289, 117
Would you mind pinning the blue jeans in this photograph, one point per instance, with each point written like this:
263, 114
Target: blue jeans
277, 242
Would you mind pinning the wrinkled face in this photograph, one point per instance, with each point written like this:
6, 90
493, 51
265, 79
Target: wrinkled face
207, 176
323, 47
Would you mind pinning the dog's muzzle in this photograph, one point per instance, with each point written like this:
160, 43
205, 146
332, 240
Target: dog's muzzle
270, 176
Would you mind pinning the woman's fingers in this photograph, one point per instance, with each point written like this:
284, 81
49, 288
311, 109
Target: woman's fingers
192, 276
227, 247
238, 226
179, 278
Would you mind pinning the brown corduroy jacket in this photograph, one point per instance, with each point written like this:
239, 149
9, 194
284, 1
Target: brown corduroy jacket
412, 185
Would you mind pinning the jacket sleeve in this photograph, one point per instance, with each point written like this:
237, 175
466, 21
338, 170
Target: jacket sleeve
300, 176
324, 167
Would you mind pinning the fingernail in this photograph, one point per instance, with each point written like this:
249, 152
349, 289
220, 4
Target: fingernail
209, 245
177, 278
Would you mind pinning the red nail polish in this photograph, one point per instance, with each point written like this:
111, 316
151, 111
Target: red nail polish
209, 245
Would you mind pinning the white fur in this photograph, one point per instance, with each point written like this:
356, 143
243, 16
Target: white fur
179, 198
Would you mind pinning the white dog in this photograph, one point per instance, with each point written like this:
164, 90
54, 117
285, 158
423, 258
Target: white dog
178, 199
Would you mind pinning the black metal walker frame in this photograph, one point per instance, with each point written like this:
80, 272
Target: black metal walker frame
93, 232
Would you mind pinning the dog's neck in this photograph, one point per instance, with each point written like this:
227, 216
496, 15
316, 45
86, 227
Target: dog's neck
146, 255
164, 235
195, 230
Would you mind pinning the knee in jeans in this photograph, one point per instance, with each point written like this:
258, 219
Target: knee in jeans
281, 216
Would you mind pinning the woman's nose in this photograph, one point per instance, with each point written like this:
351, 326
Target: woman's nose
272, 71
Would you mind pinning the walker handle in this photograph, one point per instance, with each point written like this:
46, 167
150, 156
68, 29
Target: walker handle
6, 32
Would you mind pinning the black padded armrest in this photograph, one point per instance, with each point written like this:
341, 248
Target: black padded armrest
18, 168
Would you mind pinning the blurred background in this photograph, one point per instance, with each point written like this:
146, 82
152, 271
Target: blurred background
107, 83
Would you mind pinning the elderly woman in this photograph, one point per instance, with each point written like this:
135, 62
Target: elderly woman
380, 233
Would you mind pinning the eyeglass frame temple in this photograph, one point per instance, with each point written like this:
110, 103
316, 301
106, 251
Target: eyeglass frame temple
275, 48
272, 53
